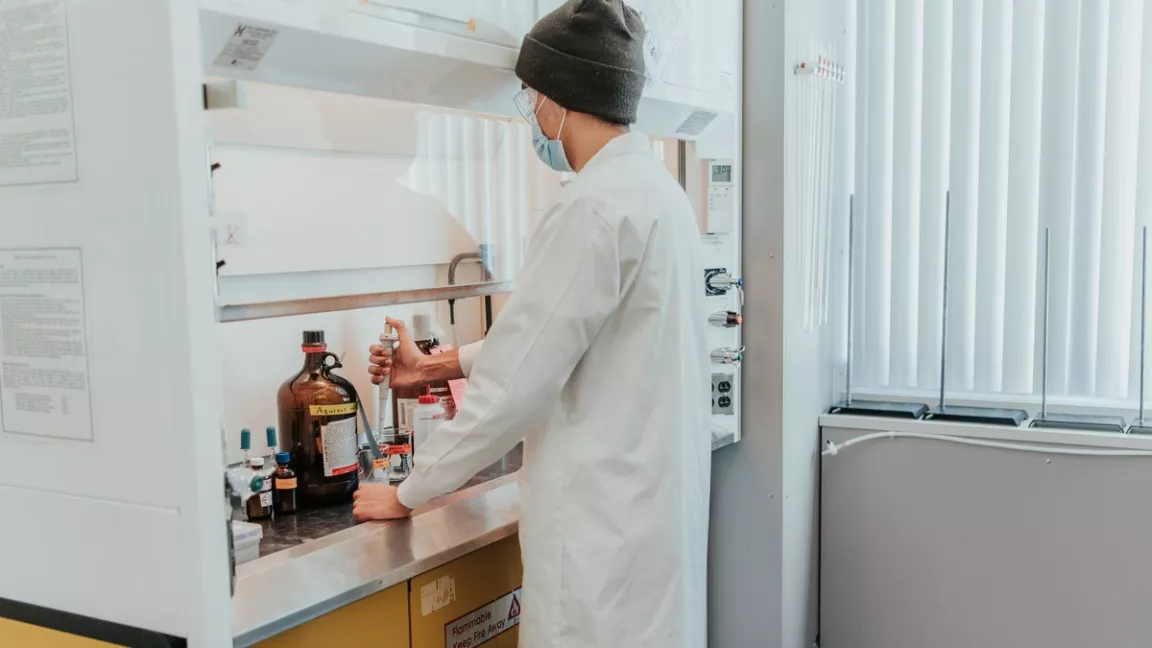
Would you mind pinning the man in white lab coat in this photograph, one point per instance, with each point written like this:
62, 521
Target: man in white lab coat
597, 362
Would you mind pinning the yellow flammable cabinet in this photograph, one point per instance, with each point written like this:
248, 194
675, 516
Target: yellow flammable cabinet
473, 601
15, 633
382, 616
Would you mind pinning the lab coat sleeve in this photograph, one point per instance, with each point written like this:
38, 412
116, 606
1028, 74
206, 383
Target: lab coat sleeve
467, 357
567, 289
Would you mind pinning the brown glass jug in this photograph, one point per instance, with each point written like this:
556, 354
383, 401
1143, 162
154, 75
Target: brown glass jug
318, 426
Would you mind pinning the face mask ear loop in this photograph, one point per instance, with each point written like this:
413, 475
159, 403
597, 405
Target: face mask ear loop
562, 120
538, 109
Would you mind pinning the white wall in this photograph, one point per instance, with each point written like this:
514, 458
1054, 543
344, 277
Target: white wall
812, 358
764, 544
258, 356
319, 181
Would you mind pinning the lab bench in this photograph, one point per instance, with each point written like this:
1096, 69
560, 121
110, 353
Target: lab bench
449, 577
321, 577
287, 531
404, 583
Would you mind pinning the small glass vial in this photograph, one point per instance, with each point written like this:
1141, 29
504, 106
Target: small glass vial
283, 485
398, 447
259, 506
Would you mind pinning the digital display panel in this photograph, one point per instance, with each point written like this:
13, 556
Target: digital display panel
722, 173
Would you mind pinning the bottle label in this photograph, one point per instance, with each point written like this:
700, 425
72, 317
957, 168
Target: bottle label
397, 449
340, 448
332, 410
285, 484
266, 498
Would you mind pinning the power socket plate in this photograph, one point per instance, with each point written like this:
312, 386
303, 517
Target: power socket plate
724, 394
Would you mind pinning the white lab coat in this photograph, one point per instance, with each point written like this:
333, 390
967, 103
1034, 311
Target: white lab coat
598, 362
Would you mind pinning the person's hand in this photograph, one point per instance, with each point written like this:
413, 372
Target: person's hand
378, 502
405, 363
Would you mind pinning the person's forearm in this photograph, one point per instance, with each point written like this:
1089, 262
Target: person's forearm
442, 366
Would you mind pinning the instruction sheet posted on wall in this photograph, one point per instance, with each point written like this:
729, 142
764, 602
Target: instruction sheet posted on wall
43, 347
37, 138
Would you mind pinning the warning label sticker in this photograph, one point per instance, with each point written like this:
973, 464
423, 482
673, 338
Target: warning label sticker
485, 623
437, 594
246, 48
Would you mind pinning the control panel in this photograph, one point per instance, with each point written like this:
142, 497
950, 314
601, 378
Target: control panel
721, 197
714, 181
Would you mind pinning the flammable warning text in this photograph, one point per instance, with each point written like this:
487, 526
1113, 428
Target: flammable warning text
484, 623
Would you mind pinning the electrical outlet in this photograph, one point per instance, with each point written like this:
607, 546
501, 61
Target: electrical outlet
723, 393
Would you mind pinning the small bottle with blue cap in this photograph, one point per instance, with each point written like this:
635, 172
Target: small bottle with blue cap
284, 485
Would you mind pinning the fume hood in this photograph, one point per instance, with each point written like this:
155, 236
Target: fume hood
460, 54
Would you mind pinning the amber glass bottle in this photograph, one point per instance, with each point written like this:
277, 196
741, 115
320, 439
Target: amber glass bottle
318, 426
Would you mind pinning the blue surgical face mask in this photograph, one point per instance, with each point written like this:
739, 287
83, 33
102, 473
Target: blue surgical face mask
550, 151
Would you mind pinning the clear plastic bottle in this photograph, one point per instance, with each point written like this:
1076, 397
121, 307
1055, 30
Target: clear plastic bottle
398, 446
429, 414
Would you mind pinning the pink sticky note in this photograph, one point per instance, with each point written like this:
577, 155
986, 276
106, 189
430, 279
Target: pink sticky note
457, 387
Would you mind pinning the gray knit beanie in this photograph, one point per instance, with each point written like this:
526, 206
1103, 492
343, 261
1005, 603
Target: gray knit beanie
587, 56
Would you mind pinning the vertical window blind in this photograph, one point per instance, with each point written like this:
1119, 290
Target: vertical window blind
479, 169
1034, 115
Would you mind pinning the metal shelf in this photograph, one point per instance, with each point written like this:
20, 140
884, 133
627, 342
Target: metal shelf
268, 310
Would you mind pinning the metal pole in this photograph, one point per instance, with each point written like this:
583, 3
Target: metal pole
851, 286
1047, 294
1143, 313
944, 309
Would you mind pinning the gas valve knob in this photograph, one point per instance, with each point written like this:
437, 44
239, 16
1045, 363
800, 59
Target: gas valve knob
728, 355
727, 319
721, 282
